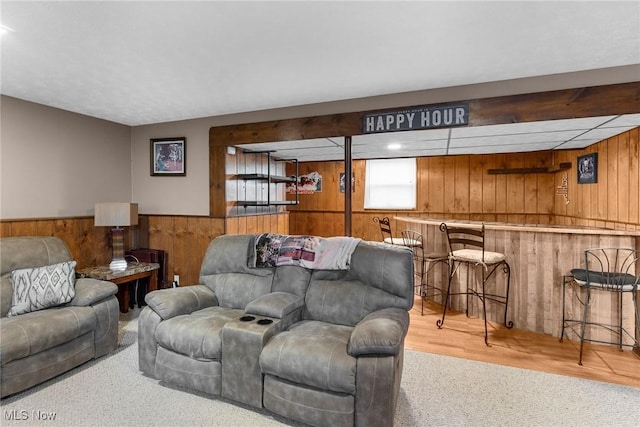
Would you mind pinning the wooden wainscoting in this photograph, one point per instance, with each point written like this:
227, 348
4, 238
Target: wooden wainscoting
253, 224
89, 245
184, 239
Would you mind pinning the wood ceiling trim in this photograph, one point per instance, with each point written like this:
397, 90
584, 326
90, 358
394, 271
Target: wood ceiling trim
593, 101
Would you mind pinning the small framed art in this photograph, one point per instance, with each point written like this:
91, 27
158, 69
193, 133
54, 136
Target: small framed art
169, 156
343, 184
588, 168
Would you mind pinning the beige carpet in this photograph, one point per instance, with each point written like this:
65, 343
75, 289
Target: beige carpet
436, 391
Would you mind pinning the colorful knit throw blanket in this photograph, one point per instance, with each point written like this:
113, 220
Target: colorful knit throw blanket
319, 253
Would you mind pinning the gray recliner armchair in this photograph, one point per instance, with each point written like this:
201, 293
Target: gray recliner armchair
39, 345
341, 364
180, 335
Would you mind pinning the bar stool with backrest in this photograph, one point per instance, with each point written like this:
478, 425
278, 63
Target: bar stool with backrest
467, 246
411, 239
426, 261
606, 270
385, 231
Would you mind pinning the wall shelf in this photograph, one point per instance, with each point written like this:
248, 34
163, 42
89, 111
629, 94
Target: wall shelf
267, 190
264, 203
261, 176
552, 169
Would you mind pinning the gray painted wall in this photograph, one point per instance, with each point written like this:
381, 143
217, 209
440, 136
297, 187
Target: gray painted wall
54, 163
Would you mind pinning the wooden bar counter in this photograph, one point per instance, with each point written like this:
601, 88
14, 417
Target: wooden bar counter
539, 257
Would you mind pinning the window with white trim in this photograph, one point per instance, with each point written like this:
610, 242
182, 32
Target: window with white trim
390, 184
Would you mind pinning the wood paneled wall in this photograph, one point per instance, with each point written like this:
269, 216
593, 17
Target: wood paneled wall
614, 201
253, 224
457, 187
89, 245
183, 238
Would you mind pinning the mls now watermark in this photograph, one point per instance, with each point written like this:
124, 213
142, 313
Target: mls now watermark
24, 415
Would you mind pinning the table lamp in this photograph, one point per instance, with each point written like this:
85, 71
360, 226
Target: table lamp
116, 215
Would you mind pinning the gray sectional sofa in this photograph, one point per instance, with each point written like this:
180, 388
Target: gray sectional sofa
38, 345
320, 346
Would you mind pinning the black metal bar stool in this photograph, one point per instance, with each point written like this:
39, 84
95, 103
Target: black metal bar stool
605, 270
426, 261
467, 246
385, 231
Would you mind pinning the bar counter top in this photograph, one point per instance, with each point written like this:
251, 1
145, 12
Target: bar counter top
573, 229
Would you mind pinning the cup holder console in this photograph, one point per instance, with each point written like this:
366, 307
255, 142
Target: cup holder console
259, 322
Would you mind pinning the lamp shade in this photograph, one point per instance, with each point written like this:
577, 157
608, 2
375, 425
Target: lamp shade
116, 214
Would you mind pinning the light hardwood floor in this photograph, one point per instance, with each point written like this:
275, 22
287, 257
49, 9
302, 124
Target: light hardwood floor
464, 337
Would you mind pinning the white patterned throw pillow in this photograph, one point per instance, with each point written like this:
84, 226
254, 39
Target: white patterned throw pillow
42, 287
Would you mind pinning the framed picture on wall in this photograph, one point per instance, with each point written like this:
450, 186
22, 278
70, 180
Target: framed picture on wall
169, 156
343, 184
588, 168
310, 183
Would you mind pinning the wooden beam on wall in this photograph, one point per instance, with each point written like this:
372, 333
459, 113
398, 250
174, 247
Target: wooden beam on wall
593, 101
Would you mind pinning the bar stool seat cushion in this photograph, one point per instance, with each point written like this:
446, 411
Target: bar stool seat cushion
412, 243
604, 269
478, 256
395, 241
598, 279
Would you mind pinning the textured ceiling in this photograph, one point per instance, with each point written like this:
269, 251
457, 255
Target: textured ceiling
157, 61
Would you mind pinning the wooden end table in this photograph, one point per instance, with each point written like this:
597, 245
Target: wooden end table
134, 271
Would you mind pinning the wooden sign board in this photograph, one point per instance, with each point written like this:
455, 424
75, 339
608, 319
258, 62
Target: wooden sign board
416, 119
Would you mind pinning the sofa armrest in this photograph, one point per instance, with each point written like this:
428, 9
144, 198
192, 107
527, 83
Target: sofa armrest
168, 303
275, 304
90, 291
381, 332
